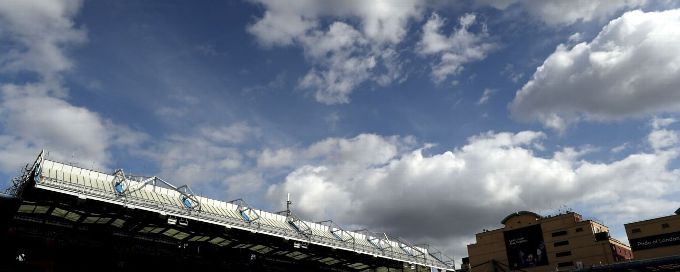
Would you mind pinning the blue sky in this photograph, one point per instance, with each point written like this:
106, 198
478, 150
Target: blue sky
429, 120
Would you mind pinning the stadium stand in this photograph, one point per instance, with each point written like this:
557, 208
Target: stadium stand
61, 217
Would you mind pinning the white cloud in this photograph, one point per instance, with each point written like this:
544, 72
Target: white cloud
486, 95
343, 56
621, 147
343, 62
658, 123
455, 50
243, 184
351, 43
576, 37
276, 158
445, 196
661, 138
195, 160
36, 115
279, 28
212, 159
235, 133
39, 31
630, 69
31, 120
556, 12
364, 149
310, 187
382, 21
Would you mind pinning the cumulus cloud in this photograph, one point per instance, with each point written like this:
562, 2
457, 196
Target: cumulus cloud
381, 21
343, 55
459, 48
630, 69
209, 157
556, 12
343, 61
576, 37
32, 120
351, 43
242, 184
35, 115
380, 183
39, 31
280, 28
658, 123
360, 150
269, 158
662, 137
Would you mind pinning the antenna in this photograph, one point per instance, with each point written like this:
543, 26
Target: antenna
288, 203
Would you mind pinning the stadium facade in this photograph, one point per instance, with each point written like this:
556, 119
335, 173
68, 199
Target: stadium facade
61, 217
656, 237
655, 243
530, 242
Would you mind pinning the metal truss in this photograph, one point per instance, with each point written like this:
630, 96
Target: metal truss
338, 232
299, 225
376, 244
382, 244
19, 182
410, 249
126, 184
247, 213
437, 254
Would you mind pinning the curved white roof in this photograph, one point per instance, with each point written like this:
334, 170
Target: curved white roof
85, 183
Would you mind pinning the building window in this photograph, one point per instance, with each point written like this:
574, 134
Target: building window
559, 233
635, 230
665, 226
565, 264
561, 243
579, 229
563, 254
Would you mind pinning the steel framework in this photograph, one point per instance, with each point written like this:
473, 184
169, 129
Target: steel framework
157, 195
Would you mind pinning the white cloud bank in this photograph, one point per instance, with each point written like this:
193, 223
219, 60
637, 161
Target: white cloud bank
350, 43
39, 30
213, 160
342, 56
36, 115
630, 69
385, 184
32, 120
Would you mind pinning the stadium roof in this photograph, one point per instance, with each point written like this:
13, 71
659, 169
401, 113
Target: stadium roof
156, 195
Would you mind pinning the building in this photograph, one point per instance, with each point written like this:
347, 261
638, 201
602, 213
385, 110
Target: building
655, 238
61, 217
530, 242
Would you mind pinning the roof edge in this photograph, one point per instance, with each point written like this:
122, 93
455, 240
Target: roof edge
505, 220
